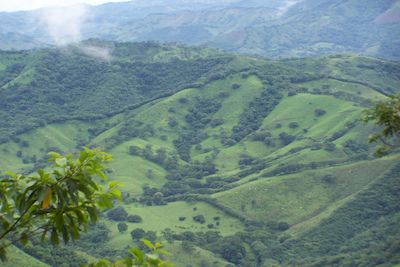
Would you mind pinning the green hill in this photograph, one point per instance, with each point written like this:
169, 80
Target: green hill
227, 158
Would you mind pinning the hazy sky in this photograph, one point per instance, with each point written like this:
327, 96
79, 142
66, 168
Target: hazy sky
14, 5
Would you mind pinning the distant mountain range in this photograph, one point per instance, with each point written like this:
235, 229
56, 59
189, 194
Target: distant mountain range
278, 28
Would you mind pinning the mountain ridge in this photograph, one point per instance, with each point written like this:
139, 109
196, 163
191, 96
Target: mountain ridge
275, 30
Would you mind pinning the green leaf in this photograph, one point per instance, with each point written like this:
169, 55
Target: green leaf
3, 254
54, 237
128, 261
61, 162
117, 194
148, 244
103, 263
24, 238
92, 214
65, 234
137, 253
113, 184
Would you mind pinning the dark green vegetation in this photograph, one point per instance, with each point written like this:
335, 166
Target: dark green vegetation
228, 159
269, 28
386, 114
58, 204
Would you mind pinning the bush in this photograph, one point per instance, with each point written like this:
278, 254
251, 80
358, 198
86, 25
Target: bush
293, 125
134, 219
329, 146
329, 179
286, 138
319, 112
235, 86
223, 95
24, 143
118, 214
187, 246
122, 227
183, 100
216, 122
172, 122
137, 233
200, 219
151, 236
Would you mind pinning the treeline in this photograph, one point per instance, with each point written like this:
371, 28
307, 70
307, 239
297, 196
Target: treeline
198, 117
253, 116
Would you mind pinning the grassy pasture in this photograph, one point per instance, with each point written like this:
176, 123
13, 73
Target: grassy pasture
300, 196
158, 218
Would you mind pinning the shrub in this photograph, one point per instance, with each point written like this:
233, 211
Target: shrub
329, 179
135, 150
134, 219
183, 100
122, 227
235, 86
286, 138
137, 233
223, 95
319, 112
200, 219
293, 125
151, 236
24, 143
172, 122
329, 146
118, 214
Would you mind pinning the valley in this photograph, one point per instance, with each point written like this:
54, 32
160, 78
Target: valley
227, 159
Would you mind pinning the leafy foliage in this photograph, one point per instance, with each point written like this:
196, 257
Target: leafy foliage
57, 203
138, 258
386, 114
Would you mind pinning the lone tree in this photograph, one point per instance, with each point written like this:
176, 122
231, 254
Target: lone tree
122, 227
387, 115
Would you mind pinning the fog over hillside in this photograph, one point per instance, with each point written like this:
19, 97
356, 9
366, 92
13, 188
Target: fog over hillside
269, 28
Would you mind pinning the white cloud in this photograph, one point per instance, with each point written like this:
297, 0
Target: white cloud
15, 5
100, 53
64, 26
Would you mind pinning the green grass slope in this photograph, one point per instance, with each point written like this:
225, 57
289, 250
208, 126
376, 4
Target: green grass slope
266, 151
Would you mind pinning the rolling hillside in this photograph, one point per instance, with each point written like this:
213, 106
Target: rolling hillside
228, 159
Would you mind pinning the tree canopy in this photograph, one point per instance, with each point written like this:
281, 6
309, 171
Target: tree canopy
56, 203
387, 115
